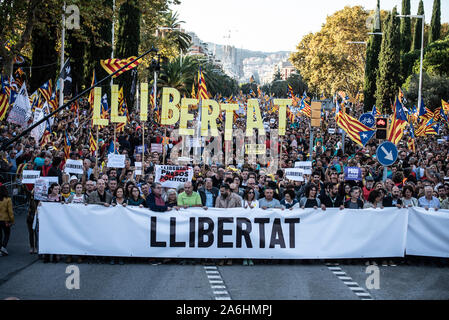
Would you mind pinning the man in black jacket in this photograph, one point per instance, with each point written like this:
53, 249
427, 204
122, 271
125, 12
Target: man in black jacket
394, 200
331, 199
208, 194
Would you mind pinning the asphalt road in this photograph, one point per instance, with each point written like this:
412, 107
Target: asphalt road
25, 276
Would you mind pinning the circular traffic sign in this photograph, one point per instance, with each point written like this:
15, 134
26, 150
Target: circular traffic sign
387, 153
367, 119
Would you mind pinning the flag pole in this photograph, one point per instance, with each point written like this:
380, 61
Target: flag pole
143, 145
96, 157
163, 147
115, 136
61, 80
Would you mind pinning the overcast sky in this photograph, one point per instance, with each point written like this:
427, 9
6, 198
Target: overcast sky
268, 25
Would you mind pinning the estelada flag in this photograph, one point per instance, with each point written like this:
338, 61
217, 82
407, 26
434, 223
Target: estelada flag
112, 65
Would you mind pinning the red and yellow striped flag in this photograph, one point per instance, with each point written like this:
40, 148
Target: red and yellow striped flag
92, 143
307, 110
202, 88
46, 90
4, 104
445, 105
357, 131
91, 93
411, 144
112, 65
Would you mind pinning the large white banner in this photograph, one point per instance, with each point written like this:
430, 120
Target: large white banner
218, 233
428, 233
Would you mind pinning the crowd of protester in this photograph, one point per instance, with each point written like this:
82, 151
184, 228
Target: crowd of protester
418, 178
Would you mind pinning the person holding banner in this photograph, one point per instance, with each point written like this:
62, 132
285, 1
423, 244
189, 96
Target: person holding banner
428, 200
269, 201
407, 197
154, 200
227, 198
78, 196
289, 201
189, 198
6, 219
249, 199
311, 200
135, 199
375, 200
354, 202
119, 197
100, 196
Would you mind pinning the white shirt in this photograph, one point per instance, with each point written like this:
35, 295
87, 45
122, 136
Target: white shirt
254, 204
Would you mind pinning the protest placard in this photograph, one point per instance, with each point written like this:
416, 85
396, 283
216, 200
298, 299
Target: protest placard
353, 173
116, 160
156, 147
294, 174
138, 170
74, 166
30, 176
41, 189
173, 176
305, 165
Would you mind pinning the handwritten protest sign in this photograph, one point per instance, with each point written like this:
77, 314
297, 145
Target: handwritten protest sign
173, 176
116, 160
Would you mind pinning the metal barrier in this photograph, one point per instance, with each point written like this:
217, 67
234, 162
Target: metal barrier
18, 192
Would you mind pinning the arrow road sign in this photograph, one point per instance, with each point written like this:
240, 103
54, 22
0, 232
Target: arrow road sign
387, 154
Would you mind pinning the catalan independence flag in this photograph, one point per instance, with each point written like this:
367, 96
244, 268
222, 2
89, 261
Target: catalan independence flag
92, 143
67, 146
112, 65
290, 91
445, 105
202, 88
375, 112
91, 93
396, 130
46, 90
357, 131
121, 109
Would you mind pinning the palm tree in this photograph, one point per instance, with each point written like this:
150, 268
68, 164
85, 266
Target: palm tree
181, 39
179, 74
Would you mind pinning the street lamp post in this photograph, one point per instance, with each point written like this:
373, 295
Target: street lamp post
423, 17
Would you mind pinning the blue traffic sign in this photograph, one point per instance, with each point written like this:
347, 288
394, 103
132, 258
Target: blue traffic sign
367, 119
387, 154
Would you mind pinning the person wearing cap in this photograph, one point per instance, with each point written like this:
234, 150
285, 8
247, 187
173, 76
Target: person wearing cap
72, 181
368, 187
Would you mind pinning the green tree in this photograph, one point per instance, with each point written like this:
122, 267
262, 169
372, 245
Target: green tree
436, 59
417, 34
128, 42
17, 20
277, 75
176, 36
389, 63
406, 29
44, 44
297, 83
181, 73
372, 62
435, 25
434, 89
326, 60
100, 43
